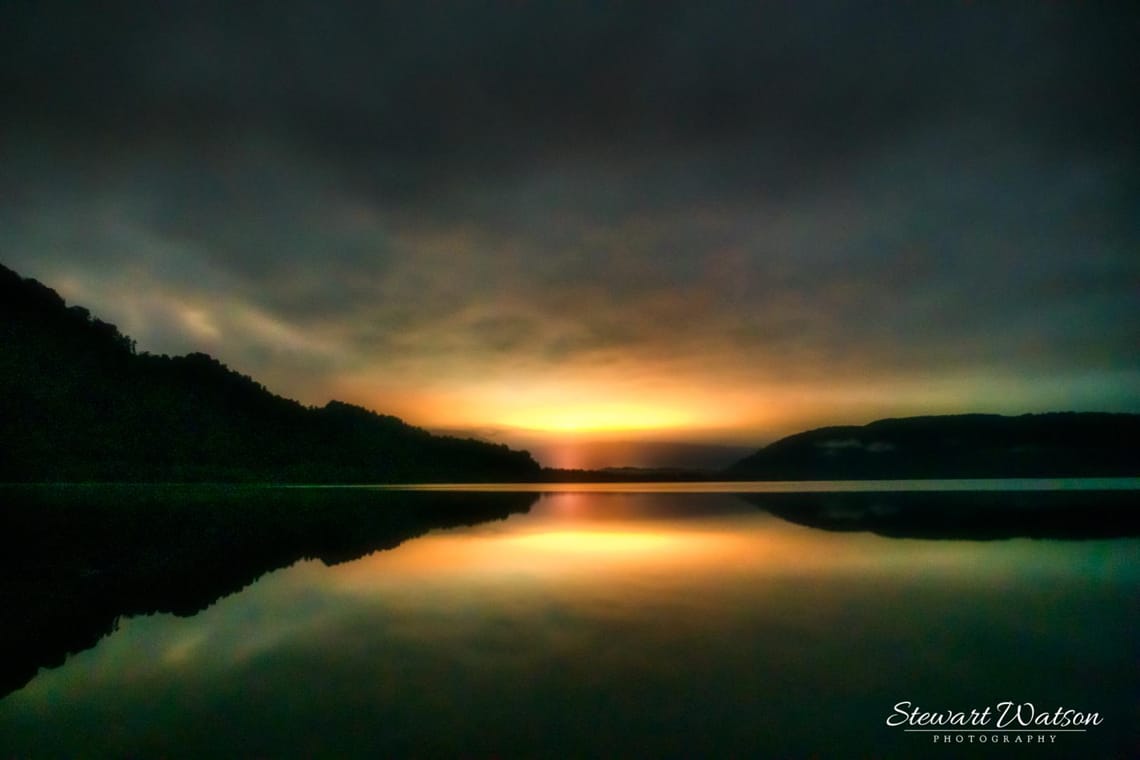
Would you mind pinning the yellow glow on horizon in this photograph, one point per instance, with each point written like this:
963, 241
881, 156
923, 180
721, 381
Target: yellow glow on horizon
575, 406
567, 409
598, 418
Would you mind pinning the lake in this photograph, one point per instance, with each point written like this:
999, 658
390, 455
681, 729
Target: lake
671, 620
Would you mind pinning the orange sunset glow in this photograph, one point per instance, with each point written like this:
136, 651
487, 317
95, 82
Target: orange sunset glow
581, 390
596, 416
568, 378
725, 254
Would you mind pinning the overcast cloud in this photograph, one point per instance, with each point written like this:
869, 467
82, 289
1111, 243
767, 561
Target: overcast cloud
413, 204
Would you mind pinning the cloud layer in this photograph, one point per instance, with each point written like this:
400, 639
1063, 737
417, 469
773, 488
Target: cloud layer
730, 220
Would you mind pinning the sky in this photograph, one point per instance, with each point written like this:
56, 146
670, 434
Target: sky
597, 230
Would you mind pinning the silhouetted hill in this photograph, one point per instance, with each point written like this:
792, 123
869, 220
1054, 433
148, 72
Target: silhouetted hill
78, 403
1059, 444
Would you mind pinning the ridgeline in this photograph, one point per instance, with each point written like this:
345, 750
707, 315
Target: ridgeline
79, 403
1052, 445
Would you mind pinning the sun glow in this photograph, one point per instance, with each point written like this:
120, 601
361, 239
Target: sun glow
599, 418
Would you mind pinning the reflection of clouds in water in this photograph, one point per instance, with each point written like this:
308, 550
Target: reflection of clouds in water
577, 559
650, 598
593, 611
184, 649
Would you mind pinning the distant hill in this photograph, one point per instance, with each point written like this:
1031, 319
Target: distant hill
1058, 444
79, 403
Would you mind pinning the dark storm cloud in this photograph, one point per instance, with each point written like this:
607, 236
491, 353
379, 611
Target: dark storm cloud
468, 82
860, 192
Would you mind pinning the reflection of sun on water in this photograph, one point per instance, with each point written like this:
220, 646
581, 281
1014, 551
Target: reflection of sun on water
597, 542
546, 551
581, 536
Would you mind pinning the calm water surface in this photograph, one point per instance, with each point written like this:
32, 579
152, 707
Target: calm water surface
616, 624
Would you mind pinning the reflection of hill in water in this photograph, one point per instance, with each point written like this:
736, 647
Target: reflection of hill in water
73, 559
974, 515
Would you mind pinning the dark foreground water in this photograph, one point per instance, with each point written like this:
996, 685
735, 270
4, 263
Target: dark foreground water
612, 624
